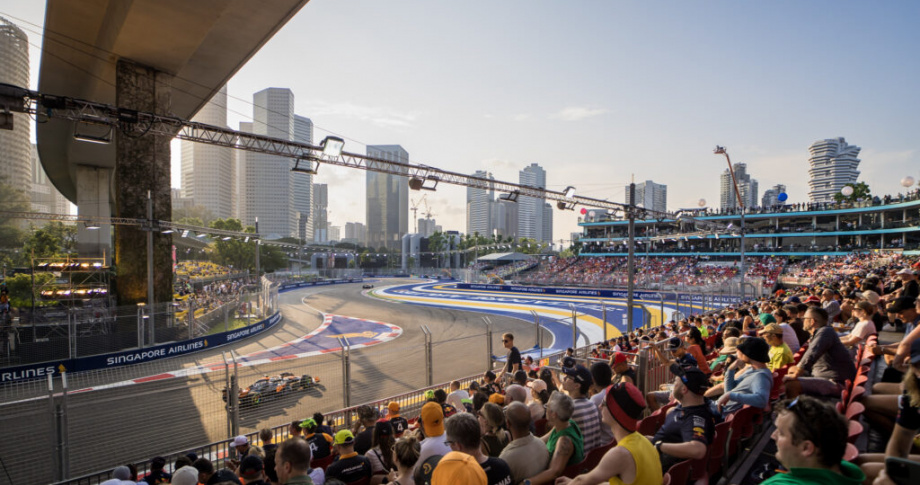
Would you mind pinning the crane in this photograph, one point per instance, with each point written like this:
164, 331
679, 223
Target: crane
414, 209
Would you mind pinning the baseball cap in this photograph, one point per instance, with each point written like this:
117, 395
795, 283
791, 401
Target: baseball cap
792, 299
425, 469
773, 328
692, 377
579, 373
187, 475
755, 348
619, 358
730, 345
568, 362
915, 351
433, 419
625, 403
345, 437
537, 385
674, 343
812, 299
870, 296
251, 467
901, 303
496, 398
240, 441
766, 318
308, 423
393, 407
458, 468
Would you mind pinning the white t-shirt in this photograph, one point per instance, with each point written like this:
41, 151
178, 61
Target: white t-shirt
432, 446
790, 337
456, 398
864, 329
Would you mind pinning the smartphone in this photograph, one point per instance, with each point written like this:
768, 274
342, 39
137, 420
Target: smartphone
902, 471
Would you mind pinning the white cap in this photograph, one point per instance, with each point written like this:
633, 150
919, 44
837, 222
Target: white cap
240, 441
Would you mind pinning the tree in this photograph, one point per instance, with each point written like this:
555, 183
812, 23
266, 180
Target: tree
55, 239
234, 252
11, 233
198, 213
860, 191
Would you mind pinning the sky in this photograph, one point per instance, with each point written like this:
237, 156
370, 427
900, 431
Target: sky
597, 92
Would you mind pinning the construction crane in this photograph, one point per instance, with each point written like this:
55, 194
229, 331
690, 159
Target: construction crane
414, 209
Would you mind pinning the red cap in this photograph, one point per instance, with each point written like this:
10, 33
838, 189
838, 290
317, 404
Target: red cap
619, 358
626, 403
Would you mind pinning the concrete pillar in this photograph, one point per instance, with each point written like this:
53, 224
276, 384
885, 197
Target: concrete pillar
94, 200
142, 164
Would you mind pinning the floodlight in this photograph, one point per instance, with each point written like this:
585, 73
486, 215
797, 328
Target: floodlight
569, 192
311, 168
332, 146
185, 233
92, 226
168, 230
511, 196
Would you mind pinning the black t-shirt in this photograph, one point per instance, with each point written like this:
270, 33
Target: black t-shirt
911, 288
879, 320
399, 424
320, 445
687, 361
908, 416
364, 441
800, 333
497, 471
349, 468
631, 373
514, 357
686, 424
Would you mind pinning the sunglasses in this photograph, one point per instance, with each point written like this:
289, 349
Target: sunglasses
505, 340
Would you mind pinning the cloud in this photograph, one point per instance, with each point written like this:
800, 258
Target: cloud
379, 115
577, 113
521, 117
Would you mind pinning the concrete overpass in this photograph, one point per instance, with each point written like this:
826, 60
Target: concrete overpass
167, 56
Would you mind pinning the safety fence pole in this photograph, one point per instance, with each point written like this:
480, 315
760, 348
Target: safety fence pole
429, 364
140, 325
604, 318
191, 319
346, 373
574, 326
488, 323
235, 398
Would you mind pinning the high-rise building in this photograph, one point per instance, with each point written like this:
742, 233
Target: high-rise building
427, 227
650, 196
505, 218
15, 144
178, 201
747, 186
208, 170
479, 204
387, 200
240, 183
356, 231
335, 233
530, 209
832, 165
45, 197
771, 196
321, 214
302, 185
268, 177
547, 223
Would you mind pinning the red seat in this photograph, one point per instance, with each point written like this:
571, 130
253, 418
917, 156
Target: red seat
855, 430
854, 410
322, 462
540, 427
851, 452
742, 427
680, 473
666, 479
649, 425
861, 379
858, 391
718, 447
777, 390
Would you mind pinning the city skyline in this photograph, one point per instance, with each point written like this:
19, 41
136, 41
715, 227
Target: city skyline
649, 93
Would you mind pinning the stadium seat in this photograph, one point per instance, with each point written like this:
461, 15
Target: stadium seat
666, 479
858, 391
718, 448
322, 462
589, 462
742, 427
680, 473
854, 410
855, 429
851, 452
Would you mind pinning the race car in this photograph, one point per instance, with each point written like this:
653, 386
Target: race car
273, 387
367, 286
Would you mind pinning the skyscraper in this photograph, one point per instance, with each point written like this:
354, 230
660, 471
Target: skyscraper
771, 196
747, 186
320, 213
479, 204
208, 170
302, 185
530, 209
356, 231
268, 177
547, 223
505, 218
240, 183
650, 196
833, 165
15, 144
387, 200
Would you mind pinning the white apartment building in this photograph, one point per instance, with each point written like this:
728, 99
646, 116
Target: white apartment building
832, 165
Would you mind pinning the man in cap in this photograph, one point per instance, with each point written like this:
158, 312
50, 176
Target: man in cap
252, 471
827, 361
349, 466
186, 475
634, 459
399, 423
909, 284
464, 435
576, 384
207, 475
780, 353
458, 468
678, 355
435, 442
623, 371
526, 455
320, 443
244, 448
292, 462
753, 387
690, 427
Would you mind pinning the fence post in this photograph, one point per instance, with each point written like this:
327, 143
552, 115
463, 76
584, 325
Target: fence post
346, 370
151, 327
54, 434
234, 398
429, 363
574, 327
604, 317
661, 297
488, 342
140, 325
191, 319
62, 422
226, 317
538, 338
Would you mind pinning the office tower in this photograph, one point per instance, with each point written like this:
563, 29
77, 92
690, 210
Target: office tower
302, 185
207, 170
547, 223
479, 203
650, 196
178, 201
427, 227
530, 209
15, 144
240, 182
335, 233
387, 200
45, 197
356, 231
320, 213
747, 186
771, 196
833, 165
505, 218
268, 177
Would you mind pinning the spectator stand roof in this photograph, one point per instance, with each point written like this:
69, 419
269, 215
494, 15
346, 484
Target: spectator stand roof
503, 257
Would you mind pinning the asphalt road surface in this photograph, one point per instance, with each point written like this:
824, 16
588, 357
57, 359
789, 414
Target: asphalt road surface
113, 426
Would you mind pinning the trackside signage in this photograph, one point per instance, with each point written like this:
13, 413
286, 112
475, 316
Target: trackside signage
653, 296
294, 286
174, 349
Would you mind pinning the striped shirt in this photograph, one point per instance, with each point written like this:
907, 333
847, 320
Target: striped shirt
586, 417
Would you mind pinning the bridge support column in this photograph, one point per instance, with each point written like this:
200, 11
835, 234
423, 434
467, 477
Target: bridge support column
142, 164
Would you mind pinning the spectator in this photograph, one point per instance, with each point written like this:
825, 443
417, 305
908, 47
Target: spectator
797, 323
520, 378
830, 305
252, 471
624, 372
540, 396
601, 377
789, 335
381, 455
826, 359
432, 418
157, 475
526, 455
185, 475
458, 468
908, 310
244, 448
513, 359
463, 435
320, 443
634, 459
320, 427
265, 436
489, 384
440, 397
564, 441
294, 429
547, 376
515, 393
494, 436
367, 418
753, 388
405, 456
678, 355
877, 317
697, 348
730, 346
399, 423
577, 383
688, 429
208, 476
457, 395
349, 466
292, 463
780, 353
864, 326
811, 437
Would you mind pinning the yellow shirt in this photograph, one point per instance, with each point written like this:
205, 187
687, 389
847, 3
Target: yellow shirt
648, 465
779, 356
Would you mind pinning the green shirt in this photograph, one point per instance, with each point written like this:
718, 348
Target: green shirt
300, 480
852, 475
578, 441
720, 359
